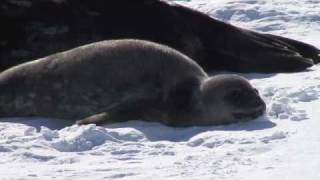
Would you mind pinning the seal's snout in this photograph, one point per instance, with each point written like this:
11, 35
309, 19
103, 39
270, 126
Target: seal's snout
258, 107
254, 101
259, 103
255, 111
249, 104
261, 109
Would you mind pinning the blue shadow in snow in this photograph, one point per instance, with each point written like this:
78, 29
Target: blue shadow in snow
159, 132
154, 131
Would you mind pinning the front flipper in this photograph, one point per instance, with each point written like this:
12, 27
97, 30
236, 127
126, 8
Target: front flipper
97, 119
133, 109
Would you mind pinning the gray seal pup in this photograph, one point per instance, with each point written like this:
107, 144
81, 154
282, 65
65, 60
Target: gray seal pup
121, 80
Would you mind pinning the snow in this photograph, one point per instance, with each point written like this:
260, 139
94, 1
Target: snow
283, 144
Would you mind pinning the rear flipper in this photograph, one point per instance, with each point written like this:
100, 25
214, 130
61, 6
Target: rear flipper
304, 49
248, 51
269, 63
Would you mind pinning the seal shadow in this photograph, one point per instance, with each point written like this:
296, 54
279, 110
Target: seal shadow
155, 131
38, 122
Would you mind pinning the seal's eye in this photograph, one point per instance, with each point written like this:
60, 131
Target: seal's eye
256, 90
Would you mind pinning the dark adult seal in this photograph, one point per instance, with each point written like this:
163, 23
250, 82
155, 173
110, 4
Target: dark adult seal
34, 29
120, 80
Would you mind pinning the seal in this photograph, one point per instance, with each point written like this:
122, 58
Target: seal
121, 80
213, 44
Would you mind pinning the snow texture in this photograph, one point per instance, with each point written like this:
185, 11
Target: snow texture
283, 144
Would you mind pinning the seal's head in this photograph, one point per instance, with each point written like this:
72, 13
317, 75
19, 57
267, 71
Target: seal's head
229, 98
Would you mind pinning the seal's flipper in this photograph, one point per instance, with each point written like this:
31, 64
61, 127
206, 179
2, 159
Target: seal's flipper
264, 54
131, 109
306, 50
272, 63
94, 119
243, 50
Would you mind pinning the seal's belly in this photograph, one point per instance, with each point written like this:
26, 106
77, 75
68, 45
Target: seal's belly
63, 103
72, 101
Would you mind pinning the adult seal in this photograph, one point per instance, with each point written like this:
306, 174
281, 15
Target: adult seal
28, 26
120, 80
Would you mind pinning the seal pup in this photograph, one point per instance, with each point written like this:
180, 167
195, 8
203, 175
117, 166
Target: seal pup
120, 80
213, 44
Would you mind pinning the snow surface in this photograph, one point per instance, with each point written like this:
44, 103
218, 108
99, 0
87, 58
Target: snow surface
284, 144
